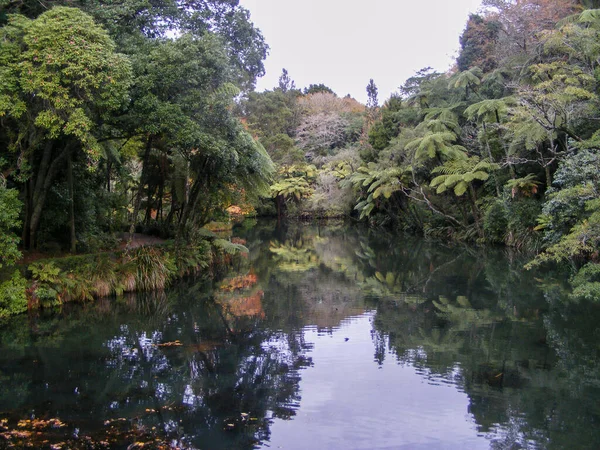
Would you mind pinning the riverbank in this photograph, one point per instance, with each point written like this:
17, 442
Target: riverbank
145, 266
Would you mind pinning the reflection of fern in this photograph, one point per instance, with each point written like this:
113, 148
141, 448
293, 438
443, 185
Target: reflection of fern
289, 258
462, 315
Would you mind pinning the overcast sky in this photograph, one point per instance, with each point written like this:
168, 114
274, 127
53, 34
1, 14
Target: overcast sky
344, 43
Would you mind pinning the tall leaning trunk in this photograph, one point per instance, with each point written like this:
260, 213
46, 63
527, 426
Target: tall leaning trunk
489, 151
475, 210
140, 191
71, 204
45, 177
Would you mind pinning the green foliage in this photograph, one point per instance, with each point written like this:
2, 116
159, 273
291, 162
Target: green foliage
229, 247
586, 283
467, 80
375, 186
436, 145
192, 257
490, 110
459, 174
576, 182
527, 185
579, 244
495, 222
13, 299
150, 268
48, 280
10, 208
61, 66
317, 89
291, 188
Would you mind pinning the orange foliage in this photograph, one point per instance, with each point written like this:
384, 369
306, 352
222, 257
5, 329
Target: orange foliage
241, 282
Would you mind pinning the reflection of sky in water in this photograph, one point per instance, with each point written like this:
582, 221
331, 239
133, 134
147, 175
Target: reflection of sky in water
349, 401
454, 356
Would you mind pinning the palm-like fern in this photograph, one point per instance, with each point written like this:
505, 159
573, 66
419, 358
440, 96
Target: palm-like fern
437, 145
459, 174
295, 188
466, 80
375, 183
492, 110
527, 185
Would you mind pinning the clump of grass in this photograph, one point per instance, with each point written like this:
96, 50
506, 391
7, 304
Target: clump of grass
152, 268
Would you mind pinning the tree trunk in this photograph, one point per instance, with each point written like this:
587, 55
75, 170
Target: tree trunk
108, 171
43, 184
140, 191
475, 210
190, 205
71, 203
27, 217
489, 151
548, 176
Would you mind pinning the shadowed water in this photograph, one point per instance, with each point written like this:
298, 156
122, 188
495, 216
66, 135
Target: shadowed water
323, 337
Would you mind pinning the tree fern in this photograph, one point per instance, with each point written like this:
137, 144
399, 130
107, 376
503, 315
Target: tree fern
527, 185
436, 145
493, 110
459, 174
229, 247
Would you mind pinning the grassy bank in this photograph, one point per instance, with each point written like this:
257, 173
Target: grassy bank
54, 281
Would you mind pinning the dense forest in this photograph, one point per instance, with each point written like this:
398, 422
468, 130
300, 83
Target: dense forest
117, 117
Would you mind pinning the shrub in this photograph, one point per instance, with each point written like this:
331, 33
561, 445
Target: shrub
12, 296
586, 283
495, 222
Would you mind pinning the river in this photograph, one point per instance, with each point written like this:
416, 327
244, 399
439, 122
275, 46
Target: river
323, 337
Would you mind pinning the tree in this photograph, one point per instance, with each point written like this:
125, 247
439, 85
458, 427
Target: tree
459, 175
523, 20
467, 80
10, 209
285, 82
61, 74
384, 130
436, 145
477, 44
372, 101
318, 89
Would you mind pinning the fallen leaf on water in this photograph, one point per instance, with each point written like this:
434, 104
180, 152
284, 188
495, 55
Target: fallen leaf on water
170, 344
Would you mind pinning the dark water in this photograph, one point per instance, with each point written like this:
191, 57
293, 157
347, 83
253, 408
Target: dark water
325, 338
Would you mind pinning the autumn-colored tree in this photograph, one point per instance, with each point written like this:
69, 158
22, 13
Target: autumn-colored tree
477, 44
523, 20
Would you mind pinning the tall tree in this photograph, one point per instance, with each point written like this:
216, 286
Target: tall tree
61, 76
372, 92
285, 82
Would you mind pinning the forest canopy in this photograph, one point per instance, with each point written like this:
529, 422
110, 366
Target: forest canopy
128, 117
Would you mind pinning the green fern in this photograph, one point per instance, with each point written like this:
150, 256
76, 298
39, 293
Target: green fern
229, 247
437, 145
459, 174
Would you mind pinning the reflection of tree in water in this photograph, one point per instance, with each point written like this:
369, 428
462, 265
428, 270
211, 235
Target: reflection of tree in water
481, 323
232, 358
471, 317
176, 366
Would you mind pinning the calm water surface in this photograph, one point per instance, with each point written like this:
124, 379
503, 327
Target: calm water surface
323, 337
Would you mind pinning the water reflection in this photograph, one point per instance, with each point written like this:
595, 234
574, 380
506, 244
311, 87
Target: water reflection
329, 337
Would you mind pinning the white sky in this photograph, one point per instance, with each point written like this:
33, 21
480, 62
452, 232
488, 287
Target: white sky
344, 43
